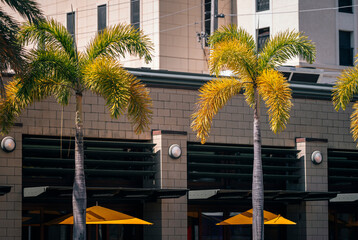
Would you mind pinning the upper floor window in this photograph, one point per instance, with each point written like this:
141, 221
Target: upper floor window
101, 17
262, 5
263, 34
71, 23
345, 48
207, 16
135, 13
345, 6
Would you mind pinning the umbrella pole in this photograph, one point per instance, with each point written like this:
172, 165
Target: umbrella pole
100, 231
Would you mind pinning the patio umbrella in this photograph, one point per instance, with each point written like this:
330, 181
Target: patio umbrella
245, 218
102, 215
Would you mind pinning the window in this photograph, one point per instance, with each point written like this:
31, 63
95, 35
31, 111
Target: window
207, 16
345, 48
101, 17
71, 23
345, 6
263, 35
262, 5
135, 13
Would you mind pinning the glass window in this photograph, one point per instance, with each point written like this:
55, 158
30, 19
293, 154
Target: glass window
135, 13
263, 34
71, 23
262, 5
345, 6
345, 48
102, 17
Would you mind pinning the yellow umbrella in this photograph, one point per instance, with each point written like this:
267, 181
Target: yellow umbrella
245, 218
102, 215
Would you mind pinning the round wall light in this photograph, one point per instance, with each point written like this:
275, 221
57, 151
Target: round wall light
175, 151
8, 144
317, 157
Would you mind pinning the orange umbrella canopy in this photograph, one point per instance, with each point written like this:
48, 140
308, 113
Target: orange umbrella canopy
102, 215
245, 218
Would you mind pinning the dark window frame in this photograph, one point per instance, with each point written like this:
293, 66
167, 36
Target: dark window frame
263, 34
101, 17
207, 17
135, 13
345, 6
262, 5
345, 48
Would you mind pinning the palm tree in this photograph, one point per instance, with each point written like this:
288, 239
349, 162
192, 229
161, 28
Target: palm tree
11, 50
57, 69
255, 74
344, 89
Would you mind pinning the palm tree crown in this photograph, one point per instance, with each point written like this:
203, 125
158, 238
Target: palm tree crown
255, 74
57, 69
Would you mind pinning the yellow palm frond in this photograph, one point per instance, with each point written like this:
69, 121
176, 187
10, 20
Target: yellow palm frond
354, 121
249, 92
213, 96
235, 56
344, 89
275, 91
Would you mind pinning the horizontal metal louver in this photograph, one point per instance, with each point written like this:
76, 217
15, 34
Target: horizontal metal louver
230, 167
50, 161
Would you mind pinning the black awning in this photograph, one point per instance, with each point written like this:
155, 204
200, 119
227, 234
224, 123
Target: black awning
270, 195
44, 192
4, 190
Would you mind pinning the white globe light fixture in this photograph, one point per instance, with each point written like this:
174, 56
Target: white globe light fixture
317, 157
175, 151
8, 144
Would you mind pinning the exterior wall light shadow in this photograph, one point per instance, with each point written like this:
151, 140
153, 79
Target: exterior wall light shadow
316, 157
175, 151
8, 144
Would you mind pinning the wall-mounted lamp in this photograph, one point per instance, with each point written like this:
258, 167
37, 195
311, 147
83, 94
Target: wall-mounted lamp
175, 151
8, 144
317, 157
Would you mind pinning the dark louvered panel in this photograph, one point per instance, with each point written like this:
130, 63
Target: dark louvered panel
230, 167
50, 160
342, 170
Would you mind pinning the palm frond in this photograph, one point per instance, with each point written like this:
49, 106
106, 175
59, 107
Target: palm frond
275, 91
26, 8
139, 112
106, 77
119, 40
354, 121
234, 56
232, 32
284, 46
51, 33
213, 96
249, 91
345, 87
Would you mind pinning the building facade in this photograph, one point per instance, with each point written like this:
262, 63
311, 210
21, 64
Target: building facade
185, 197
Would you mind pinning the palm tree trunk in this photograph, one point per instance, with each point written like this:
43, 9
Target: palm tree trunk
257, 177
79, 198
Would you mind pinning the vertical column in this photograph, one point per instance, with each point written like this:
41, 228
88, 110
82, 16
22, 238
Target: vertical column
11, 203
169, 215
315, 179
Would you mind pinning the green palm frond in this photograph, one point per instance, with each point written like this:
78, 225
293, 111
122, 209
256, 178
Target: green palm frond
139, 105
354, 121
345, 87
107, 78
119, 40
235, 56
51, 33
213, 96
26, 8
232, 32
275, 91
284, 46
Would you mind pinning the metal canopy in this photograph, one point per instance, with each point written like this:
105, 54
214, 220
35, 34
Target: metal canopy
44, 192
225, 194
